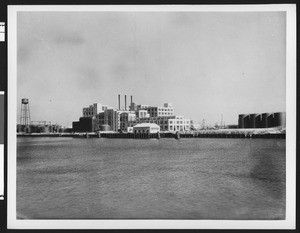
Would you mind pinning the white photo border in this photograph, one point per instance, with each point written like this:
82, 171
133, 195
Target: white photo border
288, 223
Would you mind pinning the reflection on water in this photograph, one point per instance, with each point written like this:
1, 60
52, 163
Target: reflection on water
66, 178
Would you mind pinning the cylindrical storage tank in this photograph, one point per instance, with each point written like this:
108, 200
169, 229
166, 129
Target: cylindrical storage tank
279, 119
104, 128
253, 118
258, 121
270, 122
241, 120
246, 121
265, 120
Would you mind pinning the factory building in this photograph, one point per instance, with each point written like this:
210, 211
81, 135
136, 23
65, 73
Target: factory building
142, 114
104, 118
93, 110
166, 110
85, 124
125, 119
170, 123
264, 120
146, 128
178, 123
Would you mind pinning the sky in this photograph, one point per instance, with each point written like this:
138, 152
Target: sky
207, 64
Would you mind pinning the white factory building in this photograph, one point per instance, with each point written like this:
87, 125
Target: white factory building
167, 123
122, 119
146, 128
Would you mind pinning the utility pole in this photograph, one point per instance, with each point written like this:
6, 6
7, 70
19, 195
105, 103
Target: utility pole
221, 125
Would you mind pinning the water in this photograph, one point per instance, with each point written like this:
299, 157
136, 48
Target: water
67, 178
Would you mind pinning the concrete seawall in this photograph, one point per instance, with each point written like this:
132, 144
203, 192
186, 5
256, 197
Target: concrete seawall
161, 135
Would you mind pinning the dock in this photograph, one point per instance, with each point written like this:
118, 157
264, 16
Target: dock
111, 135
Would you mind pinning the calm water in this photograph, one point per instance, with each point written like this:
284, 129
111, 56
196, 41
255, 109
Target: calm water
60, 178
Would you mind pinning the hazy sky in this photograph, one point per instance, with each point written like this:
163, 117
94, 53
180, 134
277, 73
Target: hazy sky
206, 64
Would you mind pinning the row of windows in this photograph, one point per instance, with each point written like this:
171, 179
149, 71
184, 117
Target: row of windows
178, 128
156, 122
160, 109
165, 113
179, 122
141, 131
164, 127
89, 113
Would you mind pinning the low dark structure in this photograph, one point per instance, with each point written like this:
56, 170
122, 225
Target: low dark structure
264, 120
85, 124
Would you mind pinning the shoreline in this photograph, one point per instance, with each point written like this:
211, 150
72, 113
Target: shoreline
208, 134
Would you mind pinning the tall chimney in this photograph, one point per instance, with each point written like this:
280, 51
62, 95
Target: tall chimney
119, 102
131, 103
125, 102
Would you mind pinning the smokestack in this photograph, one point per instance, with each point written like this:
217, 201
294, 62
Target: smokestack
119, 102
131, 102
125, 102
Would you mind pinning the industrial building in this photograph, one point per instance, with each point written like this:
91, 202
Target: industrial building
167, 123
263, 120
103, 118
166, 110
93, 110
85, 124
146, 128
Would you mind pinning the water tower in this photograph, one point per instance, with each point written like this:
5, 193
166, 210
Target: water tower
25, 112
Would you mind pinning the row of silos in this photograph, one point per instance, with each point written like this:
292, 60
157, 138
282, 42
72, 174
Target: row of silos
264, 120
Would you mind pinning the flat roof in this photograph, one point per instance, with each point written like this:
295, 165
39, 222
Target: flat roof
146, 125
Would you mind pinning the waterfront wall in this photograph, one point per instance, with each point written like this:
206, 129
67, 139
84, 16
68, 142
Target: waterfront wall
161, 135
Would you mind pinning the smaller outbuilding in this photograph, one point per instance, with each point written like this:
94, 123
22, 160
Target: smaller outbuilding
146, 128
